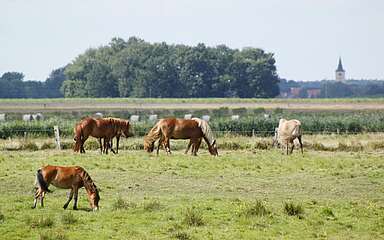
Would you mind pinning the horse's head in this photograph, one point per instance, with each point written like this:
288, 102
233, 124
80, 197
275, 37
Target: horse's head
148, 146
212, 148
94, 199
126, 129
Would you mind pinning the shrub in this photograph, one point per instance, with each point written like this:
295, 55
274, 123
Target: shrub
31, 146
193, 217
293, 209
255, 209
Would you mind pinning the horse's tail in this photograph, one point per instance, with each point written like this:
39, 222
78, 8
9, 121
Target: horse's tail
41, 182
152, 136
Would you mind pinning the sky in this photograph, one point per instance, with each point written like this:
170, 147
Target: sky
306, 36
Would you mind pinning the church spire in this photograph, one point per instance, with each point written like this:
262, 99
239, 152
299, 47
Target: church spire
340, 72
340, 66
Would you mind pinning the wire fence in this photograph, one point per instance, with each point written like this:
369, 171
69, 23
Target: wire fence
218, 133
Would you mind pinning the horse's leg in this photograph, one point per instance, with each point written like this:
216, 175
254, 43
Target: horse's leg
301, 145
293, 146
101, 146
117, 143
160, 143
37, 194
42, 195
168, 146
111, 146
287, 146
76, 195
82, 144
70, 195
197, 146
189, 145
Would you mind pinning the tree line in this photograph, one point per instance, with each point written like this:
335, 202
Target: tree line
136, 68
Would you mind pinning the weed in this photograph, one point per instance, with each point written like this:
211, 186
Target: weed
41, 221
328, 213
47, 146
181, 235
255, 209
122, 204
31, 146
151, 205
2, 217
293, 209
52, 236
68, 218
193, 217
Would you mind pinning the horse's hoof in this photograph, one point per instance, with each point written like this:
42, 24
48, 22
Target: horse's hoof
74, 208
65, 207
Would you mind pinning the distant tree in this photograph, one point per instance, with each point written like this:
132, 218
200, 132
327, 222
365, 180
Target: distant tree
53, 83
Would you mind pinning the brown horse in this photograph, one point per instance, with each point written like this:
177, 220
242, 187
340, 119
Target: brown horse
72, 178
172, 128
102, 128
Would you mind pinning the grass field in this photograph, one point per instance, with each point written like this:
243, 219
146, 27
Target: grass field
118, 104
242, 194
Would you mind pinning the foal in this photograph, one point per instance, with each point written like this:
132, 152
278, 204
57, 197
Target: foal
72, 178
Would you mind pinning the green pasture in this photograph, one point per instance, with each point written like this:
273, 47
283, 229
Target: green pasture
193, 100
242, 194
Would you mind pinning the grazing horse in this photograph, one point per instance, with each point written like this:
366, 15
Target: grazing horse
102, 128
68, 178
287, 132
172, 128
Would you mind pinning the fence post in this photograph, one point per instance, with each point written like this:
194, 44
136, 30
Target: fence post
57, 137
253, 132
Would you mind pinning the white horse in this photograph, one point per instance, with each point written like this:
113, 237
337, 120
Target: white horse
287, 132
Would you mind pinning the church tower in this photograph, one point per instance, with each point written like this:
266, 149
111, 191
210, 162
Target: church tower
340, 72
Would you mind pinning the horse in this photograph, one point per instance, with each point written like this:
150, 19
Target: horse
102, 128
173, 128
287, 132
72, 178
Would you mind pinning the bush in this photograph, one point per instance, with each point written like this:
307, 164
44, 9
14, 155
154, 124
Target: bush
255, 209
193, 217
31, 146
292, 209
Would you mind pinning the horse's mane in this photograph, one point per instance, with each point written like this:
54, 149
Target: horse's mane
88, 182
153, 134
206, 129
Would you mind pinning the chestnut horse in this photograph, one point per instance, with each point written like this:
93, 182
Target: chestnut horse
102, 128
172, 128
68, 178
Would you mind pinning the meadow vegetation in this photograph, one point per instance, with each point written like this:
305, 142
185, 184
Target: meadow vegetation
242, 194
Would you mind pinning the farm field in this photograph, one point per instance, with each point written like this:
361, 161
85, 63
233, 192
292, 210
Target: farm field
118, 104
242, 194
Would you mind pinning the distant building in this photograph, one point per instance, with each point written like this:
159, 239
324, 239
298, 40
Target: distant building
340, 72
295, 92
313, 92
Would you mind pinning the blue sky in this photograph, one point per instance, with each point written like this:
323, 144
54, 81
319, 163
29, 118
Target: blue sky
306, 36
